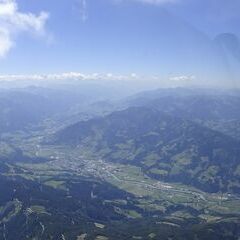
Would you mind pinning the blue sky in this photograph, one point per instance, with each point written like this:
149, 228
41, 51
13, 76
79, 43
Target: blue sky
174, 39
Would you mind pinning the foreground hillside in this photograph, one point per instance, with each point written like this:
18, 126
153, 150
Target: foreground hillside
44, 205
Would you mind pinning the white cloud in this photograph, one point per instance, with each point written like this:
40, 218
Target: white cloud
183, 78
157, 2
150, 80
13, 22
5, 42
153, 2
71, 76
83, 10
80, 8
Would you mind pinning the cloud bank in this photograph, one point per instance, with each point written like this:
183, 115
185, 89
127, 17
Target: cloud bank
183, 78
71, 77
14, 22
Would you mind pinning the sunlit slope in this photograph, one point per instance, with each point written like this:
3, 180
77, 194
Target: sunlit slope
166, 147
